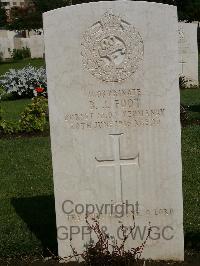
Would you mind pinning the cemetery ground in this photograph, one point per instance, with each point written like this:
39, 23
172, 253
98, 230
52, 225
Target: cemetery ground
10, 64
27, 216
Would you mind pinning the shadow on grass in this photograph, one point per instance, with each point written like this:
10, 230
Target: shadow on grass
192, 241
39, 215
194, 108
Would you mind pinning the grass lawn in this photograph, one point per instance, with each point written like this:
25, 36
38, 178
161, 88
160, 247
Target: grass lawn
191, 99
5, 66
27, 218
12, 109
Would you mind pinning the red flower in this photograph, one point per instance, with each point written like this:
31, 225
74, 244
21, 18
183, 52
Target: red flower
39, 89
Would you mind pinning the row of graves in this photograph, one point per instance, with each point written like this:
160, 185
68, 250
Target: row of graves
10, 40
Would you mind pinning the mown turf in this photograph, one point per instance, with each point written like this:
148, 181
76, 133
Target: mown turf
190, 98
11, 109
27, 219
5, 66
191, 185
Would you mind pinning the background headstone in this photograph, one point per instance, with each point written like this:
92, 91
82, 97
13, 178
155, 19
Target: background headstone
37, 46
188, 52
10, 40
20, 43
6, 42
114, 104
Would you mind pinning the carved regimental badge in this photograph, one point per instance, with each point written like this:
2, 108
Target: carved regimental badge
112, 49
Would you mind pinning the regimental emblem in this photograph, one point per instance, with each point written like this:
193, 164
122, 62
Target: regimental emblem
112, 49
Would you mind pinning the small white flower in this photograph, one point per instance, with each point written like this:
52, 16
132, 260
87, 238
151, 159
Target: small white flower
24, 81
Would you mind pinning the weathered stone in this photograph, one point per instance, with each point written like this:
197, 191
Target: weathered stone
37, 46
115, 128
188, 53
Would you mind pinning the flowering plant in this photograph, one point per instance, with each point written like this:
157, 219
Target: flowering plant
39, 89
24, 81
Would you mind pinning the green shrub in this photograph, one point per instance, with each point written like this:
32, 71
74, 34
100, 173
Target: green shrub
1, 112
34, 118
185, 83
182, 82
2, 92
19, 54
8, 127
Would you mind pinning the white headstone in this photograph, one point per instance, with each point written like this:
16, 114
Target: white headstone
7, 43
4, 47
21, 42
188, 52
37, 46
114, 113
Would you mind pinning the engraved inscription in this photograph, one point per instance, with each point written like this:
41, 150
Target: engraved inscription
114, 108
117, 163
108, 119
112, 49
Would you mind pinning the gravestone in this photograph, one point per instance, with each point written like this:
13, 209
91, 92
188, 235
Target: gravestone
21, 43
188, 52
36, 46
5, 47
6, 43
112, 72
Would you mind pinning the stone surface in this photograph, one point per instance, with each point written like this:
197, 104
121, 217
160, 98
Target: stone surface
37, 46
188, 52
19, 43
6, 42
9, 40
115, 130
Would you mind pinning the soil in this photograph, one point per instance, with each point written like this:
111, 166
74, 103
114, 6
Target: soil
191, 259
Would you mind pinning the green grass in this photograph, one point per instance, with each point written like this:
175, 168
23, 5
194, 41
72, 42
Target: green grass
190, 96
26, 204
27, 217
12, 109
5, 66
191, 185
191, 99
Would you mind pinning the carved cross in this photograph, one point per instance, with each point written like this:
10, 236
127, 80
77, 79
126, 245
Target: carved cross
117, 163
182, 64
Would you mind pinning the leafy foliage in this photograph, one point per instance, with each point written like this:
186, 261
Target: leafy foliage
34, 117
182, 82
6, 127
22, 82
44, 6
3, 16
109, 252
30, 17
24, 18
189, 10
19, 54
